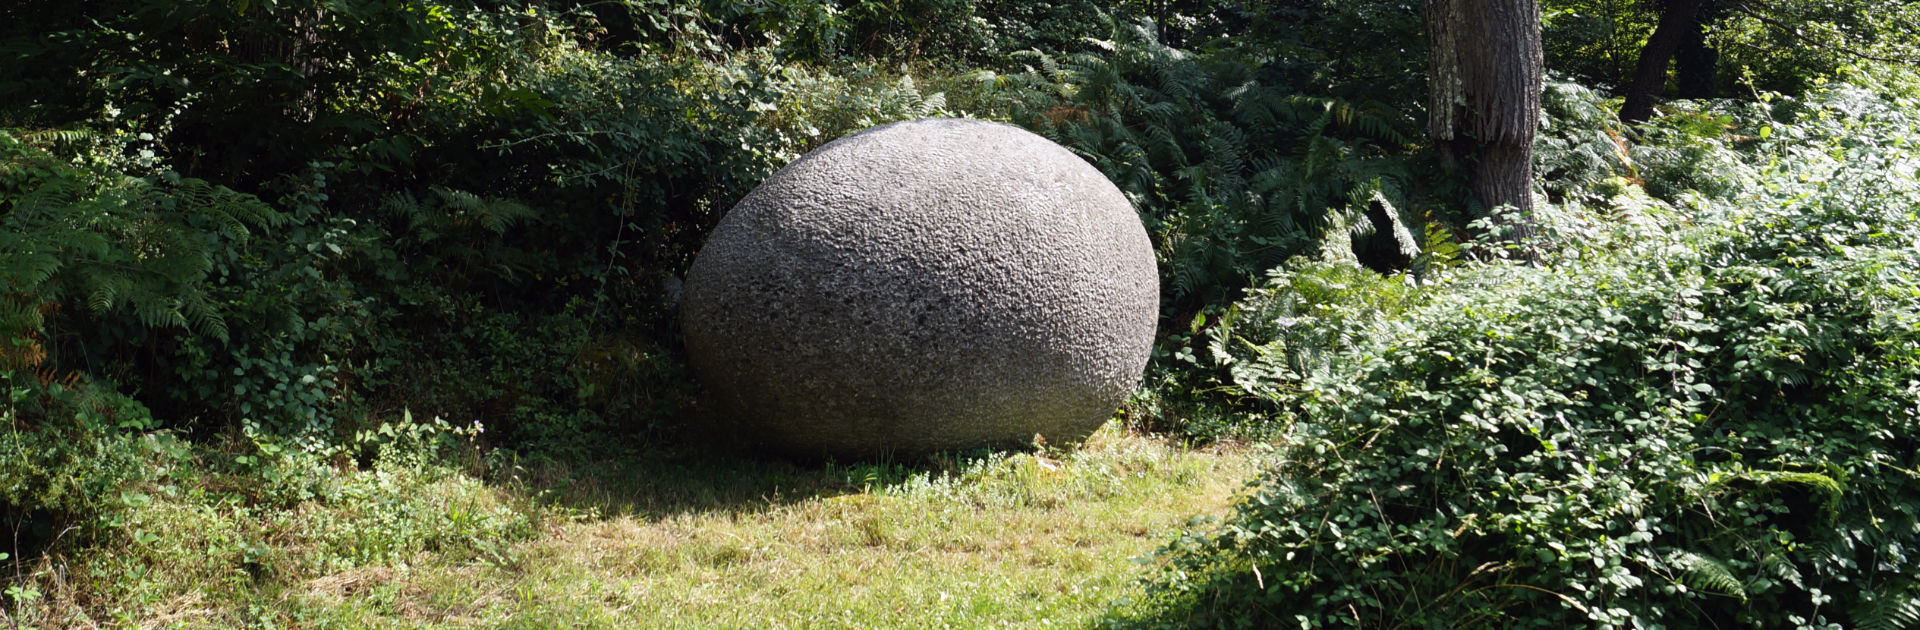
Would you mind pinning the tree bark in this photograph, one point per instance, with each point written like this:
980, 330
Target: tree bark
1696, 69
1678, 19
1485, 83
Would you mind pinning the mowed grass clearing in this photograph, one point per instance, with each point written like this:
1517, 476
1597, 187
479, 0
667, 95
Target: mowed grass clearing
1020, 540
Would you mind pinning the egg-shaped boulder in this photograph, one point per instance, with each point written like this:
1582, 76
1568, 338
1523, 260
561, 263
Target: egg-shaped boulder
923, 285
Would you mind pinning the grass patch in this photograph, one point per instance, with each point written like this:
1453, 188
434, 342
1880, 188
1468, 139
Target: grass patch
1032, 540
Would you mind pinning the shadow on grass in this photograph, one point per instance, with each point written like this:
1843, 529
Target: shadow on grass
654, 482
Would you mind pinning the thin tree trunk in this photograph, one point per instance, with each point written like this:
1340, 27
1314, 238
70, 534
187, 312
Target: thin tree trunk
1485, 83
1677, 20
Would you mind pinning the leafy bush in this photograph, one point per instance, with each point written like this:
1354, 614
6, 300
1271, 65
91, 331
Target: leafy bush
1708, 425
64, 458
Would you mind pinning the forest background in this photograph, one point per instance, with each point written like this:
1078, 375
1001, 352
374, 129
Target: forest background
255, 248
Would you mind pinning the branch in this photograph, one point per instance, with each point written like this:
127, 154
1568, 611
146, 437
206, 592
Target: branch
1748, 10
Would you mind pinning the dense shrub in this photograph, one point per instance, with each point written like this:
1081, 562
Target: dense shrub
1704, 421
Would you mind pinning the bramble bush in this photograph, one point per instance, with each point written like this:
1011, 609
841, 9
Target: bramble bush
1700, 414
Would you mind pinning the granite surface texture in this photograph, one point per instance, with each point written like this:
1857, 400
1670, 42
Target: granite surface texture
923, 285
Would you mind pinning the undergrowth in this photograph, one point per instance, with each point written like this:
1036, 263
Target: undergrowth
1697, 413
206, 540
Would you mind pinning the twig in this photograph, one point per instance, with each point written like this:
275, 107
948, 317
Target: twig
1570, 601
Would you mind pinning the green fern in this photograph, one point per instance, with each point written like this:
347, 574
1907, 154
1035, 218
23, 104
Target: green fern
465, 209
1892, 606
1705, 574
139, 245
1232, 173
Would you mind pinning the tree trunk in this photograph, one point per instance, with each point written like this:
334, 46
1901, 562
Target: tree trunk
1485, 82
1677, 20
1696, 65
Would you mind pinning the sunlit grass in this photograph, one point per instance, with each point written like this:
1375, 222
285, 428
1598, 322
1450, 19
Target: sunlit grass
1026, 540
1020, 540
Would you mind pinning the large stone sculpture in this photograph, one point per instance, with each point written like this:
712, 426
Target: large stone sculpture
923, 285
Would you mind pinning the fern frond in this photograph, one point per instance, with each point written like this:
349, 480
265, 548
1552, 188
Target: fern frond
24, 271
18, 318
200, 314
158, 312
490, 214
169, 251
48, 137
1705, 574
931, 105
91, 245
1891, 607
106, 289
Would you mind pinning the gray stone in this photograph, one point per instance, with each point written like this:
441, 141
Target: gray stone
924, 285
